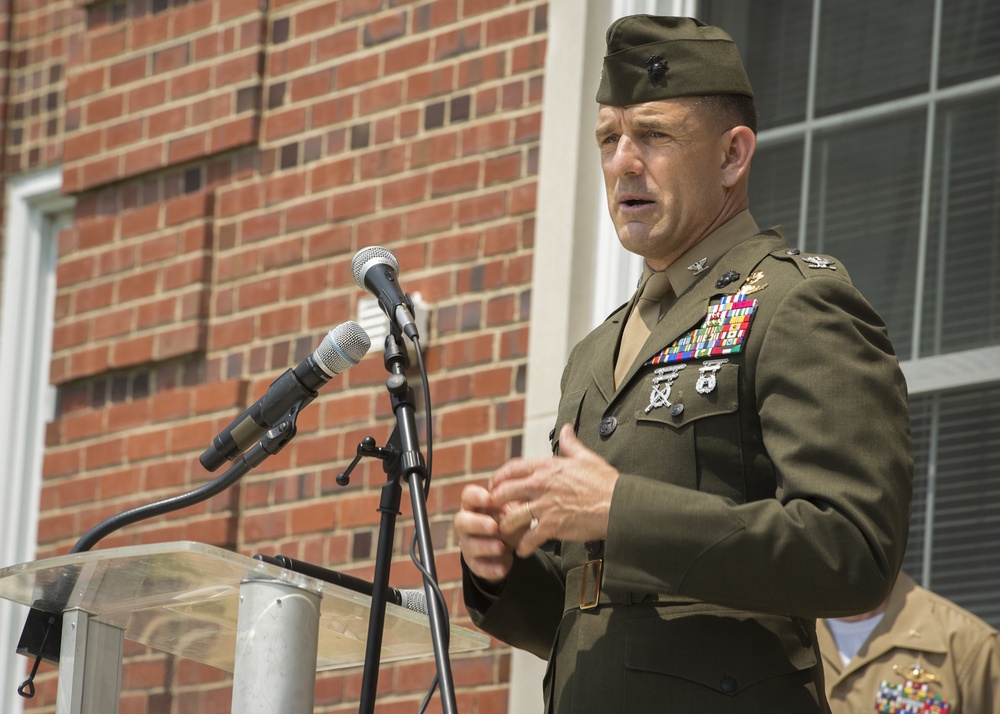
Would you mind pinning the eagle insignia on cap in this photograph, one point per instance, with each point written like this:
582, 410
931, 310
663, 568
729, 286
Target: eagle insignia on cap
657, 67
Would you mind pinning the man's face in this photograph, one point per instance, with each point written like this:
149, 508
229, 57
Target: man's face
662, 165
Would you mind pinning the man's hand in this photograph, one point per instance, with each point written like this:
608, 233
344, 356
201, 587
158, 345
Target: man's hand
567, 497
478, 532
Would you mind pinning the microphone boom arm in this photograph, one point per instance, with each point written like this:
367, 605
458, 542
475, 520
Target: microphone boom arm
40, 635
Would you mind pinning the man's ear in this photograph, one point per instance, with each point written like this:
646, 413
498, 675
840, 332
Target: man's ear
739, 144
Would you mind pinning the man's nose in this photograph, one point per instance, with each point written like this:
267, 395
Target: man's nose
627, 160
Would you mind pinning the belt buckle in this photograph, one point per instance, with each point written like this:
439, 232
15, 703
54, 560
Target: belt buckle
590, 597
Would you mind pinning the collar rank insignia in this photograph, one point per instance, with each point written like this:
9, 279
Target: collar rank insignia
913, 695
817, 262
699, 266
723, 332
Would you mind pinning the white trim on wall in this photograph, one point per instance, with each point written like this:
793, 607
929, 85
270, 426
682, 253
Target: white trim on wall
36, 210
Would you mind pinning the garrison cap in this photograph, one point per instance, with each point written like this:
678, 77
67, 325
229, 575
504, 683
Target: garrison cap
651, 57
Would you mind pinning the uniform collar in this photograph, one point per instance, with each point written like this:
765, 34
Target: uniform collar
686, 311
703, 256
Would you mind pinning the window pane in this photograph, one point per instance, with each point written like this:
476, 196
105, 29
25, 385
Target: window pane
970, 41
774, 42
962, 284
864, 209
775, 180
872, 51
965, 560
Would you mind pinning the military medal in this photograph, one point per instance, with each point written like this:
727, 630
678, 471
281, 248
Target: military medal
659, 396
725, 328
706, 375
817, 262
913, 695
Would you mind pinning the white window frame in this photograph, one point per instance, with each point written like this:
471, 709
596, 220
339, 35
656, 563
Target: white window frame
36, 211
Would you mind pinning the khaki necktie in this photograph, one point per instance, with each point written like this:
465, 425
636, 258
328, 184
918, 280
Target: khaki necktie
653, 301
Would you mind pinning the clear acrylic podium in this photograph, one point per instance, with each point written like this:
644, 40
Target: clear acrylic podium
272, 628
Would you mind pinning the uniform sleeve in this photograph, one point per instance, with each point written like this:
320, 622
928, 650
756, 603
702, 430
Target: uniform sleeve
525, 610
832, 407
980, 683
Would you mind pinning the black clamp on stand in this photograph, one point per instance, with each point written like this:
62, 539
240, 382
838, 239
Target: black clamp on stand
401, 458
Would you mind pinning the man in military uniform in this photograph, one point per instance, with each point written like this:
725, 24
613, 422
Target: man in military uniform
914, 652
732, 454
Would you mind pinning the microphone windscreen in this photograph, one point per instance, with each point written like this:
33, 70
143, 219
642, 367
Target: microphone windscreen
343, 347
365, 258
415, 600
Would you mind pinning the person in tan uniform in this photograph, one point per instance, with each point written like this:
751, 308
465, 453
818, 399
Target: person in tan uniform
731, 455
916, 652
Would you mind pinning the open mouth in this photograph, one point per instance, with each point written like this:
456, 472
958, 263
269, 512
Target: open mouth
633, 202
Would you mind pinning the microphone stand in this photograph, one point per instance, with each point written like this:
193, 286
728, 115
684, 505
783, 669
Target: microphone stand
402, 458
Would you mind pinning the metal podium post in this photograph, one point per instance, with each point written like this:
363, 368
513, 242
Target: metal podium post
277, 638
90, 668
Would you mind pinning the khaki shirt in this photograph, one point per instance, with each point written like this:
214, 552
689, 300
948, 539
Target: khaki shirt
919, 629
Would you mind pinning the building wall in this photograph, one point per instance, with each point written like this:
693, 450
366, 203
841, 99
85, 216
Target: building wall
228, 158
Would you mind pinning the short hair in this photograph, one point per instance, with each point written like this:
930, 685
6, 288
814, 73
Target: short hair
730, 109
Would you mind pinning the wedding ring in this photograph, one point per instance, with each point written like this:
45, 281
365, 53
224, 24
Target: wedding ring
533, 522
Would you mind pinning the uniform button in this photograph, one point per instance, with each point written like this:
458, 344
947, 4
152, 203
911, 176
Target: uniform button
676, 409
728, 685
608, 426
792, 251
552, 433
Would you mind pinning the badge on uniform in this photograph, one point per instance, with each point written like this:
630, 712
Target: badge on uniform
752, 284
913, 695
706, 375
817, 262
725, 328
699, 266
663, 382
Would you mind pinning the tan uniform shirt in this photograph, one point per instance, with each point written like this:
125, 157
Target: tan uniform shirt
919, 630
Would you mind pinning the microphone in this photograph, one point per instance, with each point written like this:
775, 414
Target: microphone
415, 600
341, 349
376, 270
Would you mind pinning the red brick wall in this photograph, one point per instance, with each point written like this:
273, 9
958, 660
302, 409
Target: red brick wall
228, 158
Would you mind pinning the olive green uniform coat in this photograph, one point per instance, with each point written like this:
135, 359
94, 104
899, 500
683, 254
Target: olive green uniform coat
780, 496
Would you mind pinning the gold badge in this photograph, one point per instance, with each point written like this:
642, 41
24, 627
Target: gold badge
916, 673
752, 284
